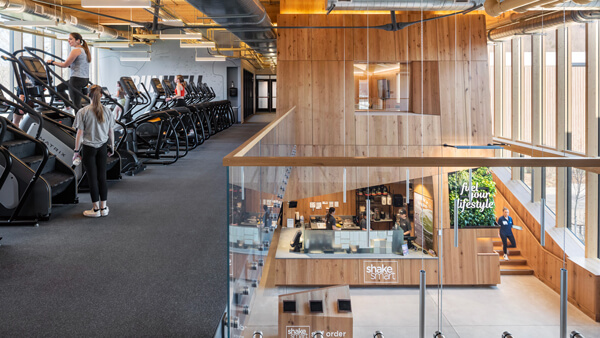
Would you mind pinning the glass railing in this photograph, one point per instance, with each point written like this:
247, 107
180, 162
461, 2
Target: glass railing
307, 234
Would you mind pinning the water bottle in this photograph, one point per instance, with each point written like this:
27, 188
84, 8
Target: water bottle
77, 161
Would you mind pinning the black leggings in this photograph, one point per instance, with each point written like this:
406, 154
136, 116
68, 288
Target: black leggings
94, 162
513, 243
79, 83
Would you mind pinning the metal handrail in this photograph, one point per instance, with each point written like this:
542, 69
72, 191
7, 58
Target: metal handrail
19, 104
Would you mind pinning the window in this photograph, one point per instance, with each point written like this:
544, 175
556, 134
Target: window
576, 202
382, 86
48, 46
492, 77
549, 91
577, 76
526, 175
526, 89
5, 66
65, 53
506, 91
550, 188
28, 40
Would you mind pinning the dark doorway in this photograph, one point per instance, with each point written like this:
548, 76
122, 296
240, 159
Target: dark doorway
248, 94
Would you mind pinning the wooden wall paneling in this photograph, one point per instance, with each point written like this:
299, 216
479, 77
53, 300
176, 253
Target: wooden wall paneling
331, 44
463, 38
293, 44
327, 94
488, 269
376, 130
402, 41
481, 116
430, 39
446, 30
427, 102
478, 35
347, 209
460, 264
350, 123
454, 95
584, 288
294, 88
375, 45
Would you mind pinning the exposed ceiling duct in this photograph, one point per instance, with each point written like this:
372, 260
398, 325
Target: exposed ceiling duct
244, 13
492, 7
46, 12
538, 23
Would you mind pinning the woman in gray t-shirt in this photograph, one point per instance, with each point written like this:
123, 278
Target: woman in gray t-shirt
95, 130
79, 62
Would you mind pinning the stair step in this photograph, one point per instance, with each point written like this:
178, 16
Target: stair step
20, 148
511, 251
35, 161
513, 260
58, 181
516, 270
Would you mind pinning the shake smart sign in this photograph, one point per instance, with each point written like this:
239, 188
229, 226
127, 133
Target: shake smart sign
297, 331
380, 272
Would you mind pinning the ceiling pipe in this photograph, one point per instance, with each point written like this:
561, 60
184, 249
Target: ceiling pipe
536, 24
525, 8
495, 8
46, 12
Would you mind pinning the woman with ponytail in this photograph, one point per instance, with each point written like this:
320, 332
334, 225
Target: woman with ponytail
95, 125
79, 62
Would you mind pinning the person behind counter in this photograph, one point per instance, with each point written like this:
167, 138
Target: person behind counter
403, 223
362, 223
330, 219
266, 217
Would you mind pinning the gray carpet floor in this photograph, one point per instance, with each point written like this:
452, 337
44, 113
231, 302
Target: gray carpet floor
156, 266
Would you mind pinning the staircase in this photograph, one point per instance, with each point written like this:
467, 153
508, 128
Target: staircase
515, 265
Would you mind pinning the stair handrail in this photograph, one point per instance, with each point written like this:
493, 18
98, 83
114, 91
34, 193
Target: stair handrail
5, 153
36, 175
32, 51
19, 104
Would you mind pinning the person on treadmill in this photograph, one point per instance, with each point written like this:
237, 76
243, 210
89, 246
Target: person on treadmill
403, 223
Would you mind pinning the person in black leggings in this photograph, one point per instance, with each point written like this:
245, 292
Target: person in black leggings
78, 62
95, 130
506, 224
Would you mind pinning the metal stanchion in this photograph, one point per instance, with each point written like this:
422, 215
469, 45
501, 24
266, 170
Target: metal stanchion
507, 334
438, 334
456, 223
318, 334
257, 334
422, 291
563, 302
378, 334
576, 334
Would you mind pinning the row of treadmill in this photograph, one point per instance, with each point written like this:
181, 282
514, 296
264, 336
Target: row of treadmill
36, 157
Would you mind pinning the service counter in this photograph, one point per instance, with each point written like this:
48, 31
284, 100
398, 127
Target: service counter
350, 258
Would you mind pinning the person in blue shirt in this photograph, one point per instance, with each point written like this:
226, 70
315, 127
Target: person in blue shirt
506, 224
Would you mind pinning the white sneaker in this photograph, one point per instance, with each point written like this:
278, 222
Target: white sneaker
92, 213
505, 257
104, 212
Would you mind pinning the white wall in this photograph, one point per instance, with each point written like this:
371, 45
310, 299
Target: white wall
168, 60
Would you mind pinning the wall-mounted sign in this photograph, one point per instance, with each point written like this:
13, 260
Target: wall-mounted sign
474, 199
380, 271
297, 331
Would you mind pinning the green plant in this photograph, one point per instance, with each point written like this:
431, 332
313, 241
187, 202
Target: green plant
480, 210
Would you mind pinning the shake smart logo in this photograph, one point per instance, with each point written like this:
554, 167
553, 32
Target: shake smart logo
297, 331
380, 272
